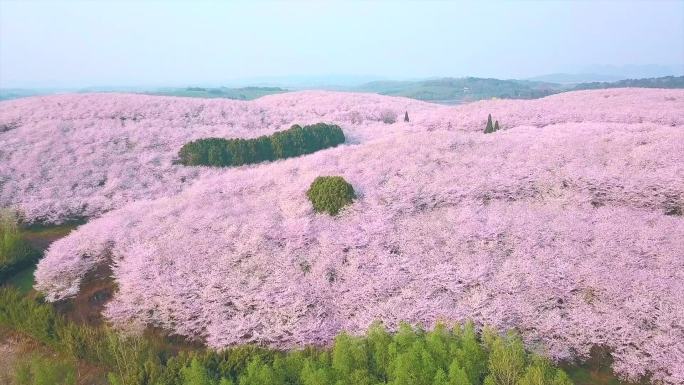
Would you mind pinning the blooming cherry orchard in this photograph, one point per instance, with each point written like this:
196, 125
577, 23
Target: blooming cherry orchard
565, 224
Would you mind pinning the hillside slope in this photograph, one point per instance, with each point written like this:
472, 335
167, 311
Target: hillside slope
566, 224
461, 90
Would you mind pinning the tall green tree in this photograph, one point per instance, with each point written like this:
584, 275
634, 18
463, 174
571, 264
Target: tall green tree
490, 127
196, 374
258, 373
507, 361
458, 375
440, 378
349, 356
378, 341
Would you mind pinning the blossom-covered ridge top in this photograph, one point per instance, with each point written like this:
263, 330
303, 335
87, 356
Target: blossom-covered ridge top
72, 156
565, 224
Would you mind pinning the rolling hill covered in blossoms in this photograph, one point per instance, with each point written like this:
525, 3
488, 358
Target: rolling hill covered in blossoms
566, 224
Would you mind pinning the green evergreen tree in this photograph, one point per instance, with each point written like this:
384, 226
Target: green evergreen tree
458, 375
258, 373
496, 126
196, 374
440, 378
378, 341
471, 354
507, 361
414, 366
437, 342
216, 156
406, 118
490, 126
405, 336
540, 372
348, 356
312, 375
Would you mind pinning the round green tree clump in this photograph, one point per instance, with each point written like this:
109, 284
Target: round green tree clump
330, 193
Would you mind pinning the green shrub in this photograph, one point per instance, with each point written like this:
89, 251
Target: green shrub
29, 316
15, 252
330, 193
38, 370
293, 142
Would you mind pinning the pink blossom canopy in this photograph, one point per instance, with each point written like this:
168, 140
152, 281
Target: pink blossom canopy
556, 225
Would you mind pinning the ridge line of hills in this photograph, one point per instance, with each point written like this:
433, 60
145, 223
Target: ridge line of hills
440, 90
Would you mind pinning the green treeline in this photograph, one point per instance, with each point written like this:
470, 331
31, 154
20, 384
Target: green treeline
15, 252
411, 356
661, 82
292, 142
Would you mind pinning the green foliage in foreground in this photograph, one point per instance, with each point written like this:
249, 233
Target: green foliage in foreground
23, 279
39, 370
330, 193
289, 143
443, 356
15, 253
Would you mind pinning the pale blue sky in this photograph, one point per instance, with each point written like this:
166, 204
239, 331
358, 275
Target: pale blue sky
127, 43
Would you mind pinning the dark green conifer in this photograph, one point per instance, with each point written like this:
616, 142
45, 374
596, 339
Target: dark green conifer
490, 127
406, 118
496, 126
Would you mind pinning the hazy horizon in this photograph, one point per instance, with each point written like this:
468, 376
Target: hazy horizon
76, 44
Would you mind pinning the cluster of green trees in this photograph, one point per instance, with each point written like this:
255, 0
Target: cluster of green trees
443, 356
37, 369
662, 82
411, 356
292, 142
15, 252
330, 193
491, 127
453, 91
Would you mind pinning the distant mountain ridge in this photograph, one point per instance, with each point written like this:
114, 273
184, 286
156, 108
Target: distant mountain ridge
567, 78
662, 82
459, 90
468, 89
439, 90
242, 93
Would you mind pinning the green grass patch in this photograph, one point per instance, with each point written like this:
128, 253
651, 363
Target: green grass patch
38, 369
23, 280
15, 252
